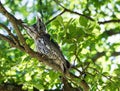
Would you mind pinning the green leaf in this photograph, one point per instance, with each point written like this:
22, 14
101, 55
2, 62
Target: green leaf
39, 86
105, 74
58, 22
83, 21
60, 19
55, 23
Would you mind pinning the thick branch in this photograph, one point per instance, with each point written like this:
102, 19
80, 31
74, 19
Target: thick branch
14, 22
44, 59
33, 54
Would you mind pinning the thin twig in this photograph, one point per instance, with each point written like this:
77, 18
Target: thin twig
102, 74
54, 18
70, 11
74, 12
7, 39
109, 21
88, 17
9, 32
11, 42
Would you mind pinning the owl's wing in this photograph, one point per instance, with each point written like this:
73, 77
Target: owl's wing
56, 52
52, 41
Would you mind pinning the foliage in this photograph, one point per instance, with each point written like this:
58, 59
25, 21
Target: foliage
89, 40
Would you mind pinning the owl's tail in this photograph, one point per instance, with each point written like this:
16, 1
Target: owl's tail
66, 66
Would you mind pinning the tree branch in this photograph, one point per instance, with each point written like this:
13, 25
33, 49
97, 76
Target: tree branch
115, 54
70, 11
67, 86
86, 16
26, 48
109, 21
14, 22
100, 54
110, 32
11, 42
54, 17
41, 57
9, 32
7, 39
10, 87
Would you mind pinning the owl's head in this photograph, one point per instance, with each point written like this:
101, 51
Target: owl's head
36, 29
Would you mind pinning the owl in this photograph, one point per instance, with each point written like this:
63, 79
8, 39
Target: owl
45, 45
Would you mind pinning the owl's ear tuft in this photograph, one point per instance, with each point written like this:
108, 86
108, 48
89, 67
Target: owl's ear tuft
40, 25
38, 22
38, 19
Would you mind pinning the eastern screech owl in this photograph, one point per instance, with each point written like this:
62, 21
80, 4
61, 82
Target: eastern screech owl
45, 45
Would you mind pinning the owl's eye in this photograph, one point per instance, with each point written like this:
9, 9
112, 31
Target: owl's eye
40, 27
34, 25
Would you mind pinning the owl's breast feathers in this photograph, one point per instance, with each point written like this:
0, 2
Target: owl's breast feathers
47, 46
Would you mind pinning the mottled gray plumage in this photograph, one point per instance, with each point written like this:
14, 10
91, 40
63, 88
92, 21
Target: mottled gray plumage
45, 45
